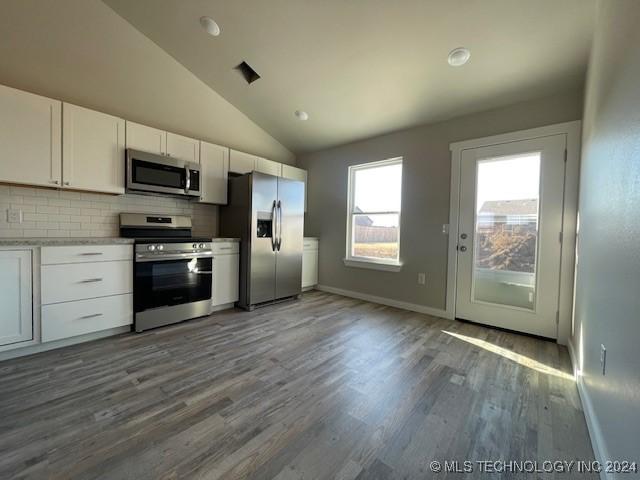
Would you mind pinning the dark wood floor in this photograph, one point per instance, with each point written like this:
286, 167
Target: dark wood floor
325, 387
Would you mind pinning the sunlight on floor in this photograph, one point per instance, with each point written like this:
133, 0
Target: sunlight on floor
516, 357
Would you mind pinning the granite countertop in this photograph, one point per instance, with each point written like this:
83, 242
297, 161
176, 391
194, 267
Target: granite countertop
62, 241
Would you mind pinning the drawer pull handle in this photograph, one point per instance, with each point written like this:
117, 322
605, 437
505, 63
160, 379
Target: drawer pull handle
225, 248
92, 253
93, 315
91, 280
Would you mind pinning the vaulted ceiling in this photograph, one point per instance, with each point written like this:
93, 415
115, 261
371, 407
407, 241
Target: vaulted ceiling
366, 67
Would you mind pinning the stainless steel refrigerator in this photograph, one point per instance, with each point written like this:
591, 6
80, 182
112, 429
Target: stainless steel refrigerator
267, 214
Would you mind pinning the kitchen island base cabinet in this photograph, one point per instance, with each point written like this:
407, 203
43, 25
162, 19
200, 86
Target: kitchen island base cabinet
16, 311
226, 274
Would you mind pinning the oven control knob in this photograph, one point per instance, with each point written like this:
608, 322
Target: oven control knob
195, 245
201, 245
151, 248
160, 247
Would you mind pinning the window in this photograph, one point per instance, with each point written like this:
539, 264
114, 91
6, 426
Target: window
373, 221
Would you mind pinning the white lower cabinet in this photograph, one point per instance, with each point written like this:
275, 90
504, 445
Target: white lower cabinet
68, 319
226, 273
16, 311
85, 289
310, 263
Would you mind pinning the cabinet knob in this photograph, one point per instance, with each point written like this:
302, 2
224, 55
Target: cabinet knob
67, 183
55, 182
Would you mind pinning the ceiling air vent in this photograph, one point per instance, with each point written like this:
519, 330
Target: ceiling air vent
248, 73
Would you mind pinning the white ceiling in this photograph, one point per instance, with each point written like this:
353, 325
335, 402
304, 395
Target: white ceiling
366, 67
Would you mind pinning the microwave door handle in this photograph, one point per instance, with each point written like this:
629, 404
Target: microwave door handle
187, 174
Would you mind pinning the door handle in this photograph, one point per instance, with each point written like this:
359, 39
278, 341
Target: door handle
274, 223
187, 185
279, 224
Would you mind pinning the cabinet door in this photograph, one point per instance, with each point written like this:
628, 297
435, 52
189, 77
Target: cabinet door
309, 268
214, 172
92, 150
226, 279
30, 138
16, 317
146, 139
240, 162
183, 148
299, 174
269, 167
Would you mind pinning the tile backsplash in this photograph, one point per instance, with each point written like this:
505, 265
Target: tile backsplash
65, 213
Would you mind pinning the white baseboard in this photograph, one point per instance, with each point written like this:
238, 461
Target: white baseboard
595, 433
65, 342
435, 312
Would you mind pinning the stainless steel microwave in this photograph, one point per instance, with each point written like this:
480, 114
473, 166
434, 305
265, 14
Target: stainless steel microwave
160, 174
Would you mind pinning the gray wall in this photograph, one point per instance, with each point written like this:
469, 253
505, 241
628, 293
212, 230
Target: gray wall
425, 196
607, 308
82, 52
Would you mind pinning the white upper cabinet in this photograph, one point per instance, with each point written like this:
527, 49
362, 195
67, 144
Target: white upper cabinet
269, 167
295, 173
16, 317
146, 139
240, 162
214, 173
92, 150
30, 136
183, 148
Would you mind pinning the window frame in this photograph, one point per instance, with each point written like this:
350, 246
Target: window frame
370, 262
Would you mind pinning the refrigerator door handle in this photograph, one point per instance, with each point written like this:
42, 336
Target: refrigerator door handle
274, 218
279, 224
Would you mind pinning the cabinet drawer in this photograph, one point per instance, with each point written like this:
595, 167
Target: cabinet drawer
225, 248
65, 283
69, 319
86, 253
310, 244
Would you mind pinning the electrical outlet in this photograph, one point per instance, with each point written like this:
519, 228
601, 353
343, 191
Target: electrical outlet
14, 216
422, 278
603, 358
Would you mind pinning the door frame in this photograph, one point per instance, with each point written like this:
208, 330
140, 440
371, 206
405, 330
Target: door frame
572, 130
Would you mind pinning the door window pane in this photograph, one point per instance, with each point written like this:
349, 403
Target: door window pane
376, 236
506, 230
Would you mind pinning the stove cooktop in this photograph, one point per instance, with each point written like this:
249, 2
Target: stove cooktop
144, 240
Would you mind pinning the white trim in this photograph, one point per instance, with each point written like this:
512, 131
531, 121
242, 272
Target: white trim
350, 209
595, 433
572, 131
65, 342
434, 312
372, 264
224, 306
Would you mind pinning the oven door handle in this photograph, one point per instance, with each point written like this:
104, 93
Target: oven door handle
144, 257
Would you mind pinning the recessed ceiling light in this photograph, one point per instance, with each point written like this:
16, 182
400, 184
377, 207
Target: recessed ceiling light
301, 115
210, 26
459, 56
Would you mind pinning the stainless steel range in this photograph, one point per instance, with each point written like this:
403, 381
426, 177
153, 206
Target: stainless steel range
172, 270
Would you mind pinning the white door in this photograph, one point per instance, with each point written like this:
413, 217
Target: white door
226, 279
268, 166
240, 162
92, 150
299, 174
183, 148
146, 139
16, 311
30, 138
214, 172
510, 224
